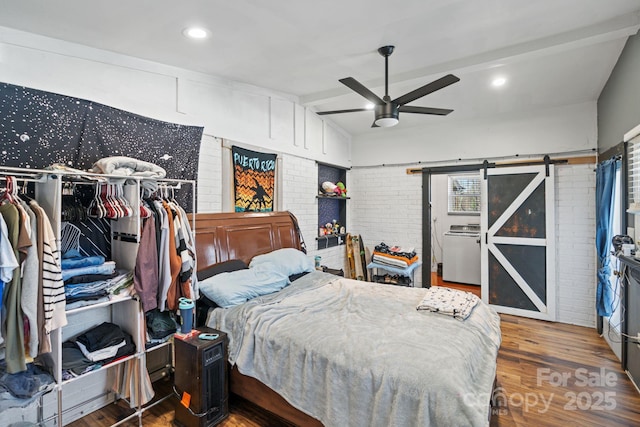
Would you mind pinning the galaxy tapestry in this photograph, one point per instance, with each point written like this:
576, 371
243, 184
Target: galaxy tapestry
38, 129
254, 177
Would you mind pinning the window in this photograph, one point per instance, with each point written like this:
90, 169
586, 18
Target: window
634, 174
464, 194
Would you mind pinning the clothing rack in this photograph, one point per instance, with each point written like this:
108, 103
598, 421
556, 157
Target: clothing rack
49, 185
23, 179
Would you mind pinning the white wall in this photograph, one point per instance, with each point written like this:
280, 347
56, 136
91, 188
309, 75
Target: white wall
576, 244
387, 207
557, 130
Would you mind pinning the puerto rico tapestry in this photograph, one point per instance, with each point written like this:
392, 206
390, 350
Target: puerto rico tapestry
254, 178
38, 129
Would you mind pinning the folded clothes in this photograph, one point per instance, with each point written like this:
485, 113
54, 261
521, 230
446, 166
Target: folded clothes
104, 335
68, 263
73, 359
82, 302
408, 253
88, 278
27, 383
126, 350
107, 268
96, 297
101, 354
393, 260
121, 285
160, 324
452, 302
113, 282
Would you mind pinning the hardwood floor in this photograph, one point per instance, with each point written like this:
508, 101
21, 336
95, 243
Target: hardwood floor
553, 374
549, 374
437, 281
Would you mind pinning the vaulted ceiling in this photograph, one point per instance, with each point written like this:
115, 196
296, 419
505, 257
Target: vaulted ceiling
551, 52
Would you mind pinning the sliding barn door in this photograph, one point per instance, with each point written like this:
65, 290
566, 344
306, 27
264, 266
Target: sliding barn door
518, 248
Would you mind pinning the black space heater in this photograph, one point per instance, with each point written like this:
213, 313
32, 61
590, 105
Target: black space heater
201, 380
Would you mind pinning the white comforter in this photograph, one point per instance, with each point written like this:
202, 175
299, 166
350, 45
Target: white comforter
355, 353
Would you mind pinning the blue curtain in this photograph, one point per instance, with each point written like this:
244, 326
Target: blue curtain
605, 180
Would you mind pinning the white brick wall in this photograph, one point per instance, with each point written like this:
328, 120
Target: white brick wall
575, 250
210, 175
386, 206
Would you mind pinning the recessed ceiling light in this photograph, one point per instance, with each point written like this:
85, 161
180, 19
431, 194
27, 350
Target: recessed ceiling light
498, 81
196, 33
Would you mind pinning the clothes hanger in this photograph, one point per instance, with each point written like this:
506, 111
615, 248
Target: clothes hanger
124, 203
7, 196
145, 210
96, 207
23, 193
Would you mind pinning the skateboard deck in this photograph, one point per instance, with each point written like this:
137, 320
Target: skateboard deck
350, 257
358, 259
363, 259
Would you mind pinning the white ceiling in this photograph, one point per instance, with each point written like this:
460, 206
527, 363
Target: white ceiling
554, 52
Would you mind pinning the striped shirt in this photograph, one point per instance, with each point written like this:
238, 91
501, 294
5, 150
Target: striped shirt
53, 297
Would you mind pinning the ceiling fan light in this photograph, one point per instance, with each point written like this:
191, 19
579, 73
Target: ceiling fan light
386, 122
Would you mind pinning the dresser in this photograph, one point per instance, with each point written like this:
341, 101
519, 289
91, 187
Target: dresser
631, 318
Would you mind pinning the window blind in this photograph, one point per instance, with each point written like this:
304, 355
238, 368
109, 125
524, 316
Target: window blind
633, 152
464, 194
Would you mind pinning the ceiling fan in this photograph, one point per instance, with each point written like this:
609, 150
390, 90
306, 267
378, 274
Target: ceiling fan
387, 110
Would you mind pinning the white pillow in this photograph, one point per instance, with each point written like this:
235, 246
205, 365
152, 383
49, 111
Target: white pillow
288, 261
237, 287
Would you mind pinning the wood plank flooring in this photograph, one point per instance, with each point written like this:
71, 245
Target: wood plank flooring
549, 374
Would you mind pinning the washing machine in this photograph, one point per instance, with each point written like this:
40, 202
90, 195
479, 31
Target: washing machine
461, 254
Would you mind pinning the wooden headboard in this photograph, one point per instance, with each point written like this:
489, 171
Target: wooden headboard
225, 236
242, 235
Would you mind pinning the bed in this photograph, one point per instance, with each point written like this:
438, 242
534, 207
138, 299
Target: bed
326, 350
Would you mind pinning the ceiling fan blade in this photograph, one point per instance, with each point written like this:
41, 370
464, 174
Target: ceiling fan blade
425, 110
359, 88
435, 85
374, 125
354, 110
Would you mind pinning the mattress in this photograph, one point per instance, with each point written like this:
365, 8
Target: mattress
355, 353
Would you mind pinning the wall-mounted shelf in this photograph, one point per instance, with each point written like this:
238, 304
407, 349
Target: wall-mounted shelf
331, 208
330, 240
328, 236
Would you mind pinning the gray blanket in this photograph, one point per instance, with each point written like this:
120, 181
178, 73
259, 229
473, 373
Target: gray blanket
353, 353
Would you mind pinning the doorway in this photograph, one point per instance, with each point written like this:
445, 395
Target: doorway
611, 325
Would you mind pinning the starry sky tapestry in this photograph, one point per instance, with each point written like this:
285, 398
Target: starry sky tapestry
254, 177
38, 129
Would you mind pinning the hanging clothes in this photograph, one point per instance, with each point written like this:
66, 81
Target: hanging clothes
52, 286
190, 243
164, 261
29, 297
145, 274
174, 292
14, 339
8, 263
